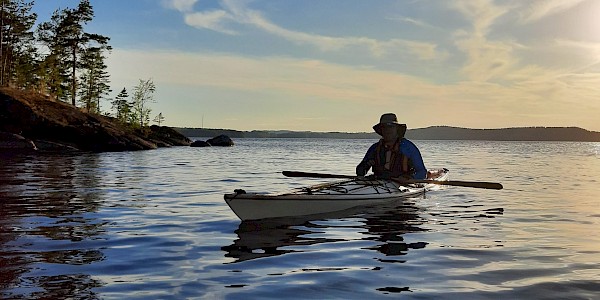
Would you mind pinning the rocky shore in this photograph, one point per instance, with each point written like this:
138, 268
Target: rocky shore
33, 122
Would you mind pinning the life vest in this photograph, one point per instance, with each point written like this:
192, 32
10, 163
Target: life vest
390, 162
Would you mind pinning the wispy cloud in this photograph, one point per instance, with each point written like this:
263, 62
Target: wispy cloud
236, 12
214, 20
487, 59
292, 81
499, 74
412, 21
539, 9
180, 5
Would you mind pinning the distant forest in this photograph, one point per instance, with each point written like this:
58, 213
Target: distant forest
429, 133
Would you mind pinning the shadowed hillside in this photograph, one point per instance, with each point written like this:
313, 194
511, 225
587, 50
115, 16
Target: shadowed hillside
505, 134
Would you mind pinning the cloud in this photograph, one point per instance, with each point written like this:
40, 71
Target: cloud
236, 13
537, 10
533, 98
414, 22
501, 79
486, 59
214, 20
180, 5
310, 78
315, 78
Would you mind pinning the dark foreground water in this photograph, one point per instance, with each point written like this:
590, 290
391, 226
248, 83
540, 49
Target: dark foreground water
153, 225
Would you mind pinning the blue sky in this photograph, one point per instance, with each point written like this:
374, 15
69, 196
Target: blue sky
338, 65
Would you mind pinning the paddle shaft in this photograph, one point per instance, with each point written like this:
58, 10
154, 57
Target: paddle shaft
314, 175
473, 184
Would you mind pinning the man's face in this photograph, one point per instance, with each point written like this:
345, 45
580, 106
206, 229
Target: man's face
389, 132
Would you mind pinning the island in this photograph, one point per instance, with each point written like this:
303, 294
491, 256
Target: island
33, 121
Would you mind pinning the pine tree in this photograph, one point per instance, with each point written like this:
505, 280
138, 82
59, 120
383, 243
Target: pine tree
67, 42
16, 41
94, 80
122, 107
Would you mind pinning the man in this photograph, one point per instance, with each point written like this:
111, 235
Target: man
393, 156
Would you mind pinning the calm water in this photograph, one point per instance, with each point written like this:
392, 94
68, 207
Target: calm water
153, 225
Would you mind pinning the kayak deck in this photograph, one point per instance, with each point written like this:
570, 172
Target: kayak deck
324, 198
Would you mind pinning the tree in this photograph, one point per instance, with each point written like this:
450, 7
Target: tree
67, 42
159, 119
122, 107
16, 40
143, 95
94, 79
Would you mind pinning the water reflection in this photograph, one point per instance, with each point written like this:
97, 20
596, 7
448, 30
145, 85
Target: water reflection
389, 233
258, 239
272, 237
45, 222
389, 227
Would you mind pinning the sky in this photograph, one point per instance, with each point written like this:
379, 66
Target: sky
332, 65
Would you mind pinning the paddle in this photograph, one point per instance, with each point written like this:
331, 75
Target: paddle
473, 184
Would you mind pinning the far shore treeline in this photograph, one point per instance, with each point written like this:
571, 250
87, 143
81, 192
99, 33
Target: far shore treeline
429, 133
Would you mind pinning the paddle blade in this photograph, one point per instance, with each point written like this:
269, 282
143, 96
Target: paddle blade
472, 184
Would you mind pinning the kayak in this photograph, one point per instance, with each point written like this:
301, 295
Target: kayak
327, 197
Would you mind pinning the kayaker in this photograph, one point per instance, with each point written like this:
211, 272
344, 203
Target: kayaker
393, 156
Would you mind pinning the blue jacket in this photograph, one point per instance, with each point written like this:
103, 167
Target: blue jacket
407, 148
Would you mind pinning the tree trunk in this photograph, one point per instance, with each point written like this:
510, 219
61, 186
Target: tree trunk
74, 76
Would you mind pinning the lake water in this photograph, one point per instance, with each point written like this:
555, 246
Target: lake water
154, 225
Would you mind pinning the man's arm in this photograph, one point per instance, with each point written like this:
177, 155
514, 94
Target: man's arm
367, 162
414, 155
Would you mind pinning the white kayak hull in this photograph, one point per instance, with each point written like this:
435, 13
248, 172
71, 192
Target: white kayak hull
323, 198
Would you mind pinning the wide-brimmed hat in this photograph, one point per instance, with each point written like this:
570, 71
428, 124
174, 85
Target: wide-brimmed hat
386, 120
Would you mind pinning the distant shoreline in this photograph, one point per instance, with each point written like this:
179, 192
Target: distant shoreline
574, 134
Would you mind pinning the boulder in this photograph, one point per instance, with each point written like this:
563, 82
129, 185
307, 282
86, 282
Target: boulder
199, 144
14, 142
166, 136
48, 146
221, 141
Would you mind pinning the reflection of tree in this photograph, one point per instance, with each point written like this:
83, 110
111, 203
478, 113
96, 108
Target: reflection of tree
12, 267
45, 201
77, 286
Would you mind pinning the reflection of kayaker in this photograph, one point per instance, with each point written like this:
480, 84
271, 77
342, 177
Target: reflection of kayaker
393, 156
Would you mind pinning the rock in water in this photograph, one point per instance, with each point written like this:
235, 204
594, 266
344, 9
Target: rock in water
10, 141
221, 140
199, 144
